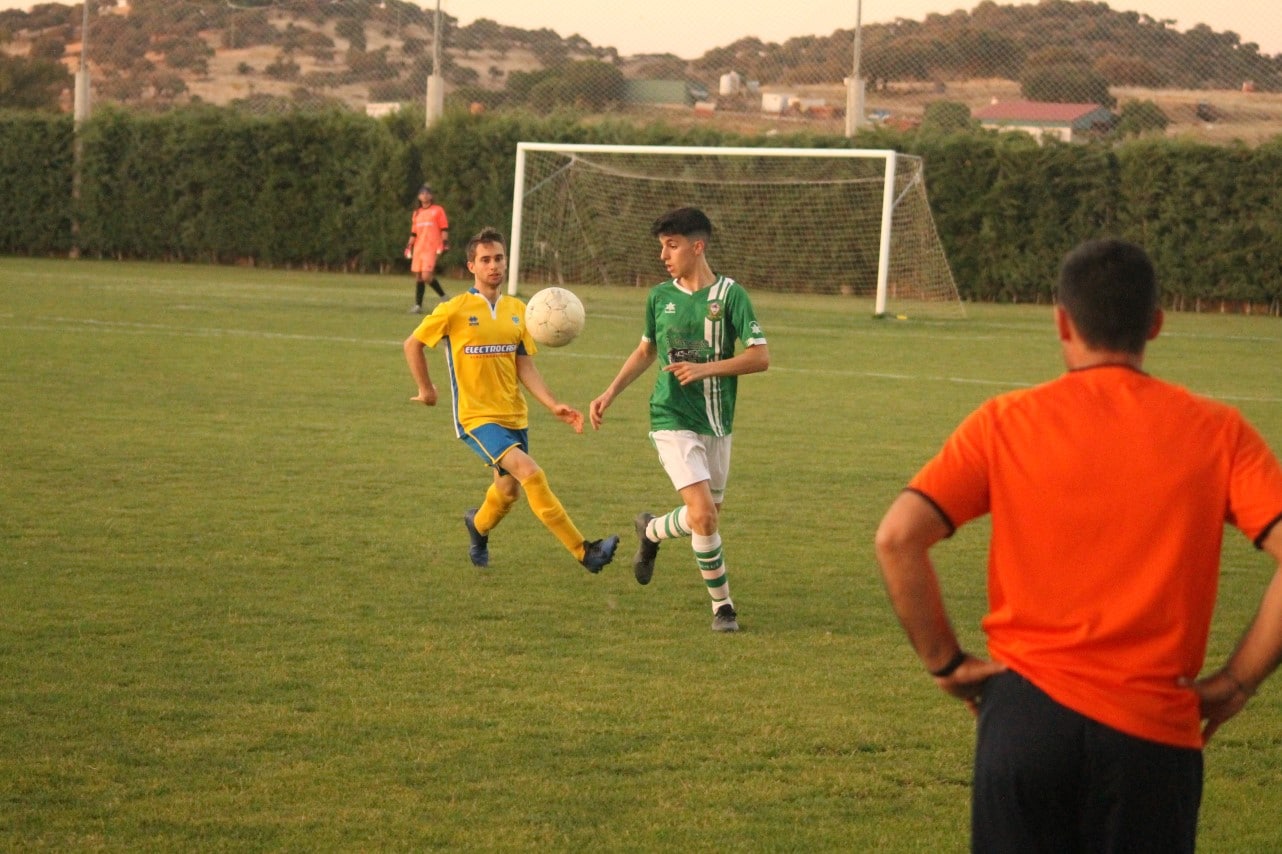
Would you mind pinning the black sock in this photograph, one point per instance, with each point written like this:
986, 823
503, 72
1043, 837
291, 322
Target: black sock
436, 286
418, 293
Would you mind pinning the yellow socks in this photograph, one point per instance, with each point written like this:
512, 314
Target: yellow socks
550, 512
492, 510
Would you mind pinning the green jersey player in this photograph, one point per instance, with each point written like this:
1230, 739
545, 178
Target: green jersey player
692, 324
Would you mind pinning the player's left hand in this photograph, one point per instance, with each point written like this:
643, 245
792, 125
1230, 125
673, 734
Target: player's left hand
569, 415
688, 372
1220, 697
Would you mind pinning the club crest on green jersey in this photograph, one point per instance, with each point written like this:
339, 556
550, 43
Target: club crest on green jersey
714, 310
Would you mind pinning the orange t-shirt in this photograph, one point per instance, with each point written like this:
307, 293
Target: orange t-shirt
1109, 491
426, 225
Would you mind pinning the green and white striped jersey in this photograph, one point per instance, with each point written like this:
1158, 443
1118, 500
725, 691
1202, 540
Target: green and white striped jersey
698, 327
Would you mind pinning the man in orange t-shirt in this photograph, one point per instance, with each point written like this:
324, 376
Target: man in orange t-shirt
1109, 491
429, 238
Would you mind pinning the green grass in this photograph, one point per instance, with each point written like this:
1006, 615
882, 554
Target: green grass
236, 611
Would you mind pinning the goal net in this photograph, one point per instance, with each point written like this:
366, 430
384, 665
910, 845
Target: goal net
827, 221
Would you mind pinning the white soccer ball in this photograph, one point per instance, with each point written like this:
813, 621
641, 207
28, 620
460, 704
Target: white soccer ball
554, 317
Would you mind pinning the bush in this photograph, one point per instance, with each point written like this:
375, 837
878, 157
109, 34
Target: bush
1140, 117
946, 117
1066, 84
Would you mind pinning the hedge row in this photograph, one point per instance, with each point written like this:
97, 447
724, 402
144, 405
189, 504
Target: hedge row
333, 190
1007, 209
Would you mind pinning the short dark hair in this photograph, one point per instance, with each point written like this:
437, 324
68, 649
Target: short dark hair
687, 222
1109, 289
489, 234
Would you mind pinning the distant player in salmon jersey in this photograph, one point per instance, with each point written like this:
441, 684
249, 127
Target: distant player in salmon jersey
488, 352
429, 237
692, 323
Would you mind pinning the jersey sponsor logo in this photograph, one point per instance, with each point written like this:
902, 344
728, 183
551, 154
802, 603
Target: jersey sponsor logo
490, 349
688, 350
689, 355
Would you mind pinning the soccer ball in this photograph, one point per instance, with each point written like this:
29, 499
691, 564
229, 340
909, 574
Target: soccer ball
554, 317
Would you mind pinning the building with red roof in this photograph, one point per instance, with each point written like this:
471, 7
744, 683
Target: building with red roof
1065, 122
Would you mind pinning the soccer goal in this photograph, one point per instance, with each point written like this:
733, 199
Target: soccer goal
854, 222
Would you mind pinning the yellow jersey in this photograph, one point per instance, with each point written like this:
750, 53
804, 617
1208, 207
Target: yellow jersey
483, 342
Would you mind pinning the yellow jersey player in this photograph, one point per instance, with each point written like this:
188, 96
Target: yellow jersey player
488, 355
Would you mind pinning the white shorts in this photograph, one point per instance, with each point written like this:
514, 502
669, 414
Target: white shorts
689, 458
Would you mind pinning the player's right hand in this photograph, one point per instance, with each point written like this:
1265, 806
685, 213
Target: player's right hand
569, 415
596, 411
966, 683
427, 398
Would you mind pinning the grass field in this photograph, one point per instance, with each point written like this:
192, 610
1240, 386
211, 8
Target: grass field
236, 611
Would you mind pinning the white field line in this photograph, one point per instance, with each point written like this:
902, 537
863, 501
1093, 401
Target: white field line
58, 324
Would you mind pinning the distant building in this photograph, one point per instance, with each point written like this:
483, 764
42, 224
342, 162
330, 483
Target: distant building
776, 102
1065, 122
679, 93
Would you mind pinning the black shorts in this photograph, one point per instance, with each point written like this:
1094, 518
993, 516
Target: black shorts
1048, 779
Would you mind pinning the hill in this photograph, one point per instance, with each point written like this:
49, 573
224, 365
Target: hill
163, 52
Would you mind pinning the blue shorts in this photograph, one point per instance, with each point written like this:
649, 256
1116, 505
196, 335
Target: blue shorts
491, 441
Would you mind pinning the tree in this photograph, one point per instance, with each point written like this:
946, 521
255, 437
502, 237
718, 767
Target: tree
1130, 71
190, 53
1067, 84
50, 46
947, 117
167, 85
1139, 117
31, 84
352, 30
282, 67
593, 84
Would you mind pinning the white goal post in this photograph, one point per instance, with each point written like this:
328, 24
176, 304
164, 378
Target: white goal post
843, 221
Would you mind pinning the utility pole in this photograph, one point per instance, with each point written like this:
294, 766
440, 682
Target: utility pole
855, 83
79, 113
80, 109
435, 85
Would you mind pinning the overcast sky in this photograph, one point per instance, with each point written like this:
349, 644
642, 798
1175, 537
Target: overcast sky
688, 29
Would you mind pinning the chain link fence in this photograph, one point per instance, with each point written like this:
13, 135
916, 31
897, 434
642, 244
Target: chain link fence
376, 56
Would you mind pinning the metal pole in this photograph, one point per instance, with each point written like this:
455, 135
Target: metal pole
80, 108
79, 113
435, 85
855, 85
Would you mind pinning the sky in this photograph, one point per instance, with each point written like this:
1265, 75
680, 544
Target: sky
690, 29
